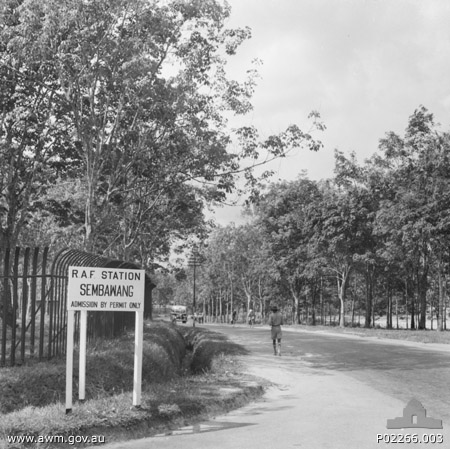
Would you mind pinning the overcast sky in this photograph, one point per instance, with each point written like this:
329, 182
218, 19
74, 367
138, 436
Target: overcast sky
365, 65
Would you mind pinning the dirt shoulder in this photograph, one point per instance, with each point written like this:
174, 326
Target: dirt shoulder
218, 384
431, 339
305, 406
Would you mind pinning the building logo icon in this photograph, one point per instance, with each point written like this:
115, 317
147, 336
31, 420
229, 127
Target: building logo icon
414, 416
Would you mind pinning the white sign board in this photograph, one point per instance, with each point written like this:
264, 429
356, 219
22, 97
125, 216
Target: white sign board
113, 289
103, 289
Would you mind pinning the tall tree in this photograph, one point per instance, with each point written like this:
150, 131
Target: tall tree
283, 216
364, 185
31, 142
139, 88
339, 224
414, 219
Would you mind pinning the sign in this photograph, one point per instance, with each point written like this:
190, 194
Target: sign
105, 289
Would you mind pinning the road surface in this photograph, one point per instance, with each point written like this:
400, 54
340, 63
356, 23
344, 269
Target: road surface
330, 391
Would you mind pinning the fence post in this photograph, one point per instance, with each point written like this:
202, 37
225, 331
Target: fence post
33, 300
5, 303
43, 299
23, 329
50, 316
15, 304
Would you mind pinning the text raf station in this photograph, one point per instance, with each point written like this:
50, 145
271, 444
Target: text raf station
115, 286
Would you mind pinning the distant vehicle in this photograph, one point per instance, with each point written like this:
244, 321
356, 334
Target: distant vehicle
178, 313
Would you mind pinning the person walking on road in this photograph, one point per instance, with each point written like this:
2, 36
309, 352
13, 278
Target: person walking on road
275, 321
251, 318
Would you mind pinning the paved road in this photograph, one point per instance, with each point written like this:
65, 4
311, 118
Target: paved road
399, 370
330, 392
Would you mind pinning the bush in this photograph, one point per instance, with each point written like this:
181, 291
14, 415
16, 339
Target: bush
109, 369
110, 366
110, 412
206, 345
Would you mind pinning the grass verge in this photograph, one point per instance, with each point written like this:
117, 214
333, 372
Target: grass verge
421, 336
171, 394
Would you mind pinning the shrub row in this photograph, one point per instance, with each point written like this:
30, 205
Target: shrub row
109, 366
205, 345
109, 370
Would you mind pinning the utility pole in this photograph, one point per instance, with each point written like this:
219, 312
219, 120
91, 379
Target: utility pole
195, 260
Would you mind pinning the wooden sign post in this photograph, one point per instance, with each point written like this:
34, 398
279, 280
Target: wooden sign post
103, 289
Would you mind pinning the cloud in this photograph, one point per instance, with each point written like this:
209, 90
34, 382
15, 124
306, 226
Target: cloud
365, 65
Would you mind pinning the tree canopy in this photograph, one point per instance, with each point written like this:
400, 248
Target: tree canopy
114, 121
373, 241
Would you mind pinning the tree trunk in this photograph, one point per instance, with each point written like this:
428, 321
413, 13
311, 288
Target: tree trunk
296, 305
342, 281
369, 296
431, 315
422, 286
389, 309
89, 209
423, 303
373, 311
313, 303
359, 313
406, 303
261, 300
396, 309
306, 309
445, 309
440, 324
248, 293
353, 310
211, 311
322, 321
231, 296
445, 306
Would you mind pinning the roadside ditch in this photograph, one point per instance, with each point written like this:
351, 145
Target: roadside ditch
189, 375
